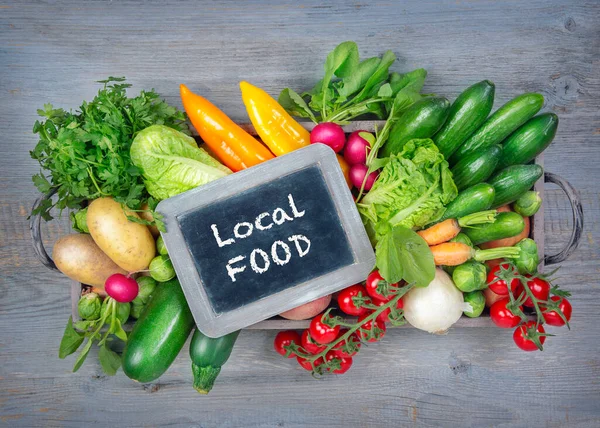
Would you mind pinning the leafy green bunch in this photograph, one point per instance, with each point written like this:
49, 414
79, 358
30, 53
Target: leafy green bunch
85, 155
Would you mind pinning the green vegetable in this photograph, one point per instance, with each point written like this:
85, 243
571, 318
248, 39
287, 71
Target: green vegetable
478, 197
467, 113
501, 124
477, 301
529, 140
421, 120
476, 167
146, 288
411, 191
528, 204
86, 153
528, 259
470, 276
507, 224
122, 310
159, 334
463, 239
161, 268
160, 246
513, 181
79, 221
89, 306
208, 356
171, 162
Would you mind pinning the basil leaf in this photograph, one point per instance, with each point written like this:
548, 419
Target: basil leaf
118, 330
70, 341
83, 355
354, 82
377, 78
110, 361
295, 104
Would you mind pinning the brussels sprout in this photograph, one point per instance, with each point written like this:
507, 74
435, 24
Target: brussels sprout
528, 259
463, 239
79, 221
122, 310
477, 301
89, 306
160, 246
528, 204
147, 285
161, 268
470, 276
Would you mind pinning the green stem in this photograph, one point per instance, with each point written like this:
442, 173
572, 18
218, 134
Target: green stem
89, 170
496, 253
481, 217
348, 107
204, 377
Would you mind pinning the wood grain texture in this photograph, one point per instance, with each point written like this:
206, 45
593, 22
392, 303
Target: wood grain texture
54, 51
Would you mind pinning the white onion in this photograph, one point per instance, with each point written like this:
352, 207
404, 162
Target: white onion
434, 308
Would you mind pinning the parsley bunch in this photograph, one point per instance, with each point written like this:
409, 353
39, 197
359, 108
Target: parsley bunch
86, 153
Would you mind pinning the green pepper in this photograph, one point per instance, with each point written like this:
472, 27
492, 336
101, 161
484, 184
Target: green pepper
477, 301
528, 259
470, 276
528, 204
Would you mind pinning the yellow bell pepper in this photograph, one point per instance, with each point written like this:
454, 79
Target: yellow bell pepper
277, 129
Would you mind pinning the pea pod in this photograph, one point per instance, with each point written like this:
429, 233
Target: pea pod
528, 259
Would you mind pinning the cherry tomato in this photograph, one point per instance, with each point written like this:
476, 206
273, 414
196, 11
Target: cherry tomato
377, 287
498, 285
345, 362
523, 342
539, 288
385, 315
502, 316
347, 304
553, 318
306, 364
340, 347
321, 332
286, 338
377, 326
309, 345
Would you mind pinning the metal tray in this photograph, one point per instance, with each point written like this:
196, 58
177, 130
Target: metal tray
279, 323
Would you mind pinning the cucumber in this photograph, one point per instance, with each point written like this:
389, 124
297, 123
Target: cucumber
467, 113
501, 124
474, 199
159, 333
507, 224
421, 120
476, 167
208, 355
529, 140
513, 181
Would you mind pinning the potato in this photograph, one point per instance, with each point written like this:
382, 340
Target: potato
307, 310
78, 257
509, 242
147, 215
130, 245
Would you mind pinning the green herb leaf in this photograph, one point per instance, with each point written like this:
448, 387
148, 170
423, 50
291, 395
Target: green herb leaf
118, 330
110, 361
70, 341
295, 104
83, 355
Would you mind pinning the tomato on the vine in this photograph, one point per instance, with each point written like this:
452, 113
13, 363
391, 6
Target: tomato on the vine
342, 350
309, 344
372, 330
498, 285
346, 302
306, 364
385, 315
502, 316
552, 317
286, 338
345, 362
321, 332
378, 288
520, 336
539, 288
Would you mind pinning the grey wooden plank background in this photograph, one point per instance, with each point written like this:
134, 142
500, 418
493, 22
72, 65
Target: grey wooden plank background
54, 51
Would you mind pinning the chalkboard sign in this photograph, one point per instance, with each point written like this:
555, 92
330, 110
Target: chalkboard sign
267, 239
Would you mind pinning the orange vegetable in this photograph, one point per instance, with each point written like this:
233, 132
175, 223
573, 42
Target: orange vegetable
276, 128
491, 297
441, 232
231, 144
509, 242
345, 169
451, 253
504, 208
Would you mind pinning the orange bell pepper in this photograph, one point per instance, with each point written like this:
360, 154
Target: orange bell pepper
231, 144
277, 129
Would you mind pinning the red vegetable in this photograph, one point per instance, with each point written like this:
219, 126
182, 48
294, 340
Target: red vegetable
286, 338
340, 347
540, 290
355, 151
309, 344
551, 317
306, 364
378, 288
330, 134
502, 316
321, 332
121, 288
346, 303
357, 176
385, 315
498, 285
521, 336
345, 362
376, 326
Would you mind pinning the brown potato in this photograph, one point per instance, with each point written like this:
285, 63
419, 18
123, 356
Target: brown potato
307, 310
78, 257
147, 215
130, 245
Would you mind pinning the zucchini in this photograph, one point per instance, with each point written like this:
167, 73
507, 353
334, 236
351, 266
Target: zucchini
159, 333
208, 355
529, 140
467, 113
507, 224
421, 120
474, 199
476, 167
513, 181
501, 124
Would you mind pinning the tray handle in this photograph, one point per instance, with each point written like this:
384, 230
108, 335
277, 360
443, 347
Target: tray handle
36, 234
577, 209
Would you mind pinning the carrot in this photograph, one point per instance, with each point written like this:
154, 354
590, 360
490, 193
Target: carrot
509, 242
441, 232
456, 253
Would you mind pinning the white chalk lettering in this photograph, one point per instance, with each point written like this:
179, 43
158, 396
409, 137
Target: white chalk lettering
283, 216
296, 240
293, 207
275, 256
231, 271
218, 238
258, 222
265, 258
236, 230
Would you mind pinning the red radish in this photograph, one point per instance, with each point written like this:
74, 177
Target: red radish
356, 147
330, 134
357, 176
121, 288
